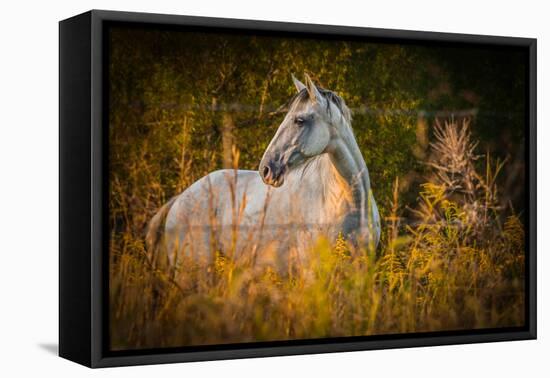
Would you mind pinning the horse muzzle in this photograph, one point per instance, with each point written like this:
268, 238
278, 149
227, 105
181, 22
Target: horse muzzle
273, 173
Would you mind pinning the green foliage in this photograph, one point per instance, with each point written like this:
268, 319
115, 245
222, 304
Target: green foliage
169, 96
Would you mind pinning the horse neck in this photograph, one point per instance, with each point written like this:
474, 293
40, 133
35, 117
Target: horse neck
348, 161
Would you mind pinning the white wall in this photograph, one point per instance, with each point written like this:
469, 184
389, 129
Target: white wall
28, 185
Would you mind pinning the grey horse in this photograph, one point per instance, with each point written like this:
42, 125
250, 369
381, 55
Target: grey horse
312, 182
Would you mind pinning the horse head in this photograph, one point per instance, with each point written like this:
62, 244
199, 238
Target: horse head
307, 130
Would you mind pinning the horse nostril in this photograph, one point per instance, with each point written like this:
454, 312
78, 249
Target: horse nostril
265, 171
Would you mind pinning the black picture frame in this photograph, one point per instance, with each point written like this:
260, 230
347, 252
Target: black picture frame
83, 245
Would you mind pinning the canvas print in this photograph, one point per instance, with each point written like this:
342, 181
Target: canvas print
272, 187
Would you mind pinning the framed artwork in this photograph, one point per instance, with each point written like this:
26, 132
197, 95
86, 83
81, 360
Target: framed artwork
234, 188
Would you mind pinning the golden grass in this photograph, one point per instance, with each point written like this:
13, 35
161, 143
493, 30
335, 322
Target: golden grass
457, 263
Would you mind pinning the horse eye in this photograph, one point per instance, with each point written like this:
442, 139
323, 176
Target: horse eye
299, 121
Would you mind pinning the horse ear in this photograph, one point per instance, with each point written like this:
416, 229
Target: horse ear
297, 83
314, 94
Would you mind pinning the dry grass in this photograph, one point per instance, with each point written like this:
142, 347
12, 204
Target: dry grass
456, 264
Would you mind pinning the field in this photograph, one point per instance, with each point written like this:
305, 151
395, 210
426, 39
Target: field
440, 129
456, 267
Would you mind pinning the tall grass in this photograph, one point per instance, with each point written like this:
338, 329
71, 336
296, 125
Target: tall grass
453, 261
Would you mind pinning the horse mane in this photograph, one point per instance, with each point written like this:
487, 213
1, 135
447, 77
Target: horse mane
331, 98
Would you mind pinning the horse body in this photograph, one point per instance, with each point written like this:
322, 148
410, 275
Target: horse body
312, 182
